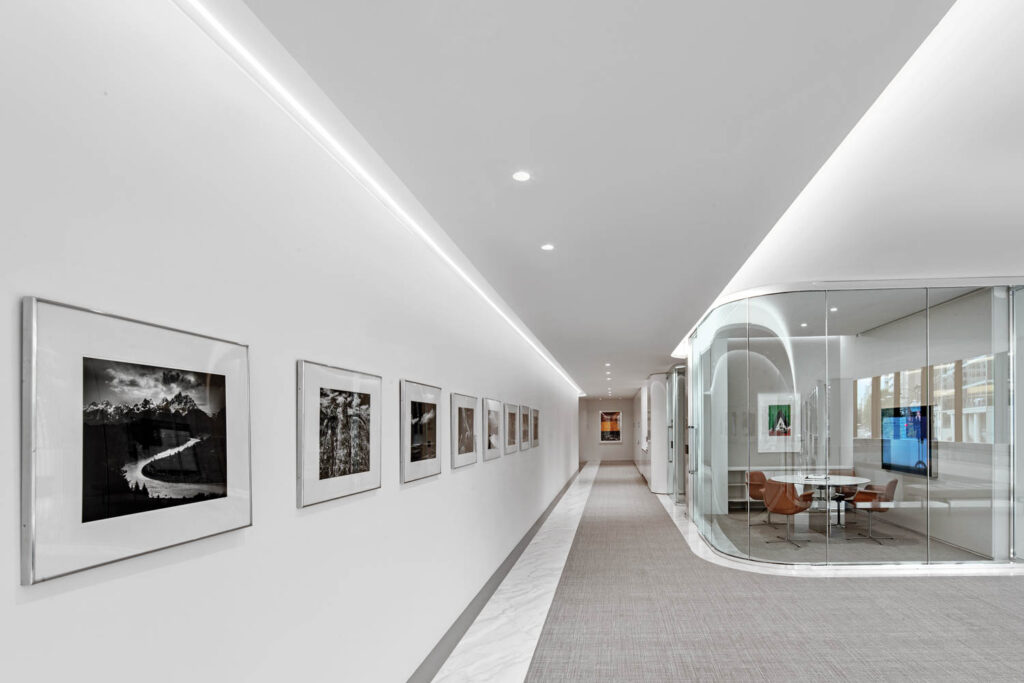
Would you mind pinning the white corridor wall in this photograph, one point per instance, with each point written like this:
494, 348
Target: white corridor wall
145, 174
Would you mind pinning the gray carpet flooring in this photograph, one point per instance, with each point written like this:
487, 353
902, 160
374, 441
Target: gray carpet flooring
634, 604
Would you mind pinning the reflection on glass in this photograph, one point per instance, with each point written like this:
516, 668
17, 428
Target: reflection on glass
944, 395
978, 388
862, 427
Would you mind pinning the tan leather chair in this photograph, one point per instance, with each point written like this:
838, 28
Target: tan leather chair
847, 492
874, 498
755, 491
782, 499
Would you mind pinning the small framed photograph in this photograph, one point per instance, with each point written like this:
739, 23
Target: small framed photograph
465, 431
338, 432
421, 455
535, 428
525, 440
492, 444
136, 438
611, 426
511, 428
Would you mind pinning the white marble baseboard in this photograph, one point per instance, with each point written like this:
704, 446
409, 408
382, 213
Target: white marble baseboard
499, 645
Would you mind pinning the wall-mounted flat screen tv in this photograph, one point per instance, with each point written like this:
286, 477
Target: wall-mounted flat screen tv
905, 443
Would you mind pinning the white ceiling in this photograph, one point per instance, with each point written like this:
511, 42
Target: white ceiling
665, 139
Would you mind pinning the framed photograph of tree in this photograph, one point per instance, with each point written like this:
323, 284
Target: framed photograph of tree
135, 438
420, 437
492, 440
338, 432
525, 440
511, 428
465, 430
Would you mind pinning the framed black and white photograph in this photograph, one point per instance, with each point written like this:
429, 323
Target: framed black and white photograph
135, 438
465, 430
535, 427
492, 438
421, 435
511, 428
525, 441
338, 432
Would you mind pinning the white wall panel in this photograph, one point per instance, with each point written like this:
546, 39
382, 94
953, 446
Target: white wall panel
145, 174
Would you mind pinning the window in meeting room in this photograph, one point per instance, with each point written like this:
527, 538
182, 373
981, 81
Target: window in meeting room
863, 413
977, 400
944, 390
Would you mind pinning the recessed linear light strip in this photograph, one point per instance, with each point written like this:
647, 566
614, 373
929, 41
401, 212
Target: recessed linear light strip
302, 115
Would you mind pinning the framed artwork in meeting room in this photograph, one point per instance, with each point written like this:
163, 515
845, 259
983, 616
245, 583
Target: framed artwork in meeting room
525, 439
778, 423
420, 435
465, 430
611, 426
511, 428
492, 443
535, 428
338, 432
120, 418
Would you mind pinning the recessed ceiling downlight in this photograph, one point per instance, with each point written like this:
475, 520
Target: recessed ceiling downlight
547, 247
803, 324
521, 176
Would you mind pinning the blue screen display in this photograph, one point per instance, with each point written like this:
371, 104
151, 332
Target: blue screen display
905, 446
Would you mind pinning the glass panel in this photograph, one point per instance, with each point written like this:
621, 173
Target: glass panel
968, 345
720, 353
1018, 407
788, 426
877, 341
863, 397
944, 396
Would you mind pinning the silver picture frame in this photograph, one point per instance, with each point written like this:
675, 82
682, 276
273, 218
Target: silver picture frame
312, 381
55, 539
525, 437
511, 428
465, 446
420, 450
535, 427
493, 439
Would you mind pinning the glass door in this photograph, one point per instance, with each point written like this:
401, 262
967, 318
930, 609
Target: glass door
678, 434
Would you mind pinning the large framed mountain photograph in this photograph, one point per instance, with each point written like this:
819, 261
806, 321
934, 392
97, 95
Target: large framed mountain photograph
339, 432
135, 438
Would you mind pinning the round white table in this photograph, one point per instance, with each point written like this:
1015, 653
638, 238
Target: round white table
829, 480
826, 482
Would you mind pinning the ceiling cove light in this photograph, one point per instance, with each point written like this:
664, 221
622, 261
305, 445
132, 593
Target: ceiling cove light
209, 23
521, 176
547, 247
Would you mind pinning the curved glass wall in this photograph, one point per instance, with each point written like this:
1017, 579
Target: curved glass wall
856, 426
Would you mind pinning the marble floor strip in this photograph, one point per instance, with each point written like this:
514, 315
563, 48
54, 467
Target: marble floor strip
499, 645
